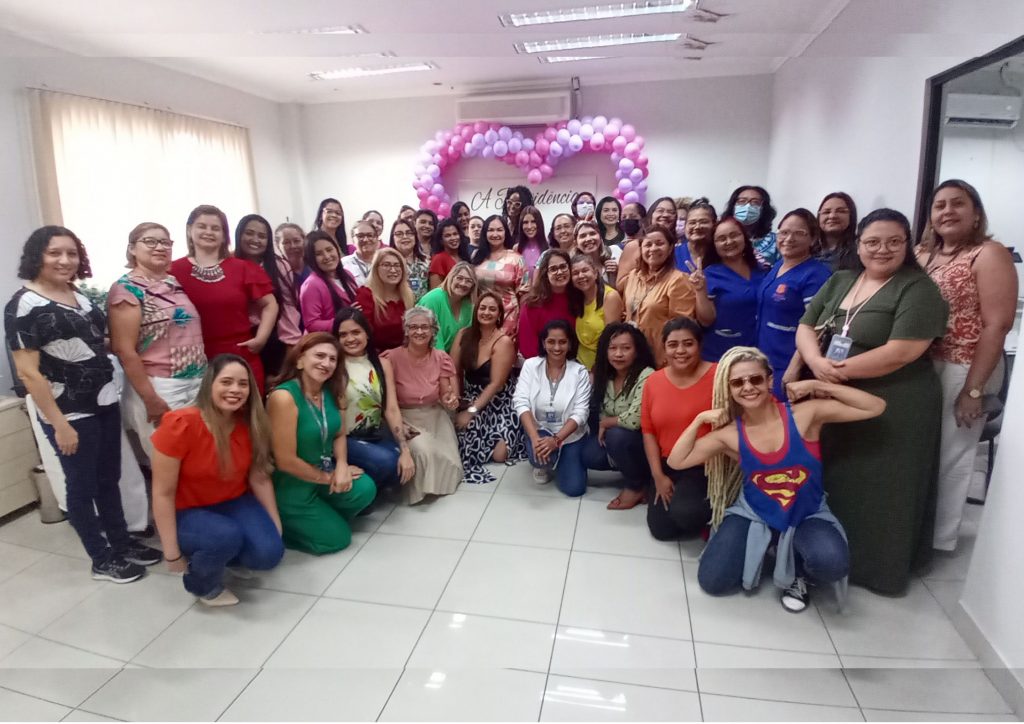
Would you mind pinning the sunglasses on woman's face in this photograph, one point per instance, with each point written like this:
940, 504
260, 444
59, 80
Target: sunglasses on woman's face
740, 382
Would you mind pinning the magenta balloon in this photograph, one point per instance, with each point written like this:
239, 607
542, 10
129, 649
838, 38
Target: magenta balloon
433, 203
515, 145
639, 140
467, 133
550, 134
479, 126
586, 131
437, 190
597, 141
444, 210
543, 146
631, 151
618, 194
644, 171
619, 144
573, 127
628, 132
546, 170
626, 165
636, 175
576, 144
487, 152
535, 176
422, 193
454, 152
563, 136
642, 160
631, 197
522, 158
442, 163
555, 149
500, 148
535, 159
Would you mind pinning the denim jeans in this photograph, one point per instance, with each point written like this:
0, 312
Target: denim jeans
570, 472
92, 475
623, 451
379, 459
237, 531
821, 554
688, 512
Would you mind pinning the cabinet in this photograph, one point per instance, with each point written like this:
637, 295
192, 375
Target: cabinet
18, 455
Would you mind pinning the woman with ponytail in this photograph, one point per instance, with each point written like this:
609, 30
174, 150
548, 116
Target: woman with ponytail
763, 462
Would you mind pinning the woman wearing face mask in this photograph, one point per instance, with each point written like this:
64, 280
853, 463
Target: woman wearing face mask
683, 204
560, 235
329, 287
517, 198
427, 392
672, 398
403, 239
452, 304
547, 300
785, 293
425, 224
552, 399
958, 254
367, 242
530, 241
624, 362
594, 304
837, 217
330, 219
752, 207
732, 279
488, 427
609, 212
500, 268
633, 216
461, 213
450, 246
583, 206
223, 289
385, 298
588, 242
656, 292
888, 312
476, 226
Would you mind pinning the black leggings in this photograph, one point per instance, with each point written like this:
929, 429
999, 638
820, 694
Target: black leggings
689, 510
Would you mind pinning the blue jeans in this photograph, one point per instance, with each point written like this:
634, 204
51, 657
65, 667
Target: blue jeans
92, 475
821, 554
237, 531
378, 459
623, 451
570, 472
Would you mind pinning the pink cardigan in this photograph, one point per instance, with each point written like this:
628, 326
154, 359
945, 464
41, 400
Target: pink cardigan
317, 305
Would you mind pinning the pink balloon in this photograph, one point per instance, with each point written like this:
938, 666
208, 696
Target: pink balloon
618, 194
628, 132
631, 197
466, 132
442, 163
644, 171
535, 176
550, 134
543, 145
444, 210
479, 126
546, 171
522, 158
426, 180
437, 190
597, 141
639, 140
535, 159
619, 144
447, 136
642, 160
433, 203
454, 152
631, 151
422, 193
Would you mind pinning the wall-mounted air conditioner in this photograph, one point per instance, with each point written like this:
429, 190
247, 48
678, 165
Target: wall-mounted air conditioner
515, 108
986, 111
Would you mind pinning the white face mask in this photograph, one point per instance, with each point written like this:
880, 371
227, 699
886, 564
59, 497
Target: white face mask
584, 209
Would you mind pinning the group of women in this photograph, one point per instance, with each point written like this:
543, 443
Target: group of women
667, 344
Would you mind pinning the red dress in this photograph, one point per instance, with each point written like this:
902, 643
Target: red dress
386, 324
223, 307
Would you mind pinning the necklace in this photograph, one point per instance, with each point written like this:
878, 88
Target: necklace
207, 274
931, 266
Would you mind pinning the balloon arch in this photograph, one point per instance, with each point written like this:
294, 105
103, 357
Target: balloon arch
536, 156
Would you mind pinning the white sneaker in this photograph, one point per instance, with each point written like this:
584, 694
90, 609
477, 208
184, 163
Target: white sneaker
224, 598
541, 476
795, 598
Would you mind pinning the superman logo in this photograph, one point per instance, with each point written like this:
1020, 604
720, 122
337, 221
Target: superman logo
781, 486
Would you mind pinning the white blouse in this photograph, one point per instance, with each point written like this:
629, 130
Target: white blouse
570, 399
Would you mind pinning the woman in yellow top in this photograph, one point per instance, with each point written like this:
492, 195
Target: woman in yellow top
656, 292
594, 304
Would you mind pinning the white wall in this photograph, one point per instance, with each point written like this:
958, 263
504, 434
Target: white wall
703, 138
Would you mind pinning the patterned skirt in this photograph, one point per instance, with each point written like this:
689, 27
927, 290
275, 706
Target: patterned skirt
496, 422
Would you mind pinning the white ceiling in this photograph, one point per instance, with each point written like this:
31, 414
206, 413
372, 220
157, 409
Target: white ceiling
252, 45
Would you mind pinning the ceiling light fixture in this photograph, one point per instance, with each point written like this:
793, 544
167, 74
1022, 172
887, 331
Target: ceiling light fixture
328, 30
570, 58
363, 72
594, 41
596, 12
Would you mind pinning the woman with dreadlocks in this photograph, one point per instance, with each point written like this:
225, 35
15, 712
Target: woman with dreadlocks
764, 478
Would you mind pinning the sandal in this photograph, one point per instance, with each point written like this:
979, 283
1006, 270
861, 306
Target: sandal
617, 504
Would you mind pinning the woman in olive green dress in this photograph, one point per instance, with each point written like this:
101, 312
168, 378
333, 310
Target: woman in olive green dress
880, 474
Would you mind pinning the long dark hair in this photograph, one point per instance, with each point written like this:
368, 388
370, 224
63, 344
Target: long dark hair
437, 243
483, 249
269, 259
351, 313
764, 222
605, 373
576, 300
540, 288
846, 251
711, 255
32, 253
574, 343
525, 199
347, 282
469, 346
909, 258
416, 251
318, 223
338, 379
600, 224
930, 238
520, 237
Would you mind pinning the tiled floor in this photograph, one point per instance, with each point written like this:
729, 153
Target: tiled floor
501, 602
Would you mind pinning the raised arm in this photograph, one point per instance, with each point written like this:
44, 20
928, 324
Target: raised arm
689, 451
832, 403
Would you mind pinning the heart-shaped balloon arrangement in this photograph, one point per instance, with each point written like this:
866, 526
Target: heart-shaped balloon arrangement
537, 157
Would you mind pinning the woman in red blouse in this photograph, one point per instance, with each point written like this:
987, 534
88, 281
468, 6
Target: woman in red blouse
222, 287
449, 247
385, 298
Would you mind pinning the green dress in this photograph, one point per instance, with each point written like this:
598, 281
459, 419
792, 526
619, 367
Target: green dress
436, 300
314, 519
880, 474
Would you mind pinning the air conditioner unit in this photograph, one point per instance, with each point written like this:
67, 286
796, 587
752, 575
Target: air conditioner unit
515, 109
986, 111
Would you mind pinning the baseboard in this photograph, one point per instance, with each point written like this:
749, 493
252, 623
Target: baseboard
1008, 682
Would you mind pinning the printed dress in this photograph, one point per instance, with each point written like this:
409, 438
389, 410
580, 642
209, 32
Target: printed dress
497, 421
504, 276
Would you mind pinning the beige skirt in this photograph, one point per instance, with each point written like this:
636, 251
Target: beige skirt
435, 452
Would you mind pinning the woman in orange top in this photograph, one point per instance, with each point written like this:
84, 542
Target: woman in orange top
656, 292
213, 502
672, 399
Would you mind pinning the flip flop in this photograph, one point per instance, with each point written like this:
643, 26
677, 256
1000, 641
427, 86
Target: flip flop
617, 504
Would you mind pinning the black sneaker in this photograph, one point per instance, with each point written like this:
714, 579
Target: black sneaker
141, 554
117, 570
795, 598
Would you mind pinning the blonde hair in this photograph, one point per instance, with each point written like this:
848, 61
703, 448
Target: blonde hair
460, 267
376, 285
725, 478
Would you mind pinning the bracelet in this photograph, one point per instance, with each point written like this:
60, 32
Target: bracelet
172, 560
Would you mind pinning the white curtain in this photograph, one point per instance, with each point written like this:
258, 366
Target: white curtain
103, 167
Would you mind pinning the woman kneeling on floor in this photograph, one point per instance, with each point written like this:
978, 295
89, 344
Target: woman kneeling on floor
318, 493
765, 465
213, 502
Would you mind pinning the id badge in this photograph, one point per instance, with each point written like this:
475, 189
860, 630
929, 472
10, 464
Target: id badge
839, 348
550, 416
327, 464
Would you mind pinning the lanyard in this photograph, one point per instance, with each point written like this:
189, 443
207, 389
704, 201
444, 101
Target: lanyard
321, 421
856, 290
553, 388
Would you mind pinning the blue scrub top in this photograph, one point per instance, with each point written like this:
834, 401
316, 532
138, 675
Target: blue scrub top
683, 255
780, 305
735, 300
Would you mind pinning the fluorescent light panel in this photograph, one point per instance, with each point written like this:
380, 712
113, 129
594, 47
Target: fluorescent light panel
363, 72
570, 58
595, 41
327, 30
595, 12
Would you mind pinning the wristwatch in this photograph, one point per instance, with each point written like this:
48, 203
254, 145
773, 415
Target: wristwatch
472, 409
974, 393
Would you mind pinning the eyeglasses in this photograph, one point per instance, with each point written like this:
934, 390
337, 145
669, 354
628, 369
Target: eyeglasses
419, 328
734, 236
739, 383
365, 237
798, 234
874, 245
752, 200
152, 243
560, 269
390, 265
404, 235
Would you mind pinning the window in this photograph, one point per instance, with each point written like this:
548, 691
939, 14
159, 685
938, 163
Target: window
103, 167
